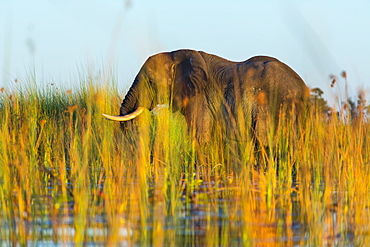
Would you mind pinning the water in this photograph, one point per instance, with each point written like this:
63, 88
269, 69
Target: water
225, 216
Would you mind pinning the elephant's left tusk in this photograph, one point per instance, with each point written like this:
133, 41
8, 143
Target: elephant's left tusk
127, 117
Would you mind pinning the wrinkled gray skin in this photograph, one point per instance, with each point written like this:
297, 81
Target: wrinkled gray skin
210, 90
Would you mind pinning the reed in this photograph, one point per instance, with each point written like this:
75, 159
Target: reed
68, 176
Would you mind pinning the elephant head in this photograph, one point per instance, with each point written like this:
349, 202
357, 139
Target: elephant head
172, 78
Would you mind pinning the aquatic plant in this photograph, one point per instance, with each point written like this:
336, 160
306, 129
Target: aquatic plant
69, 176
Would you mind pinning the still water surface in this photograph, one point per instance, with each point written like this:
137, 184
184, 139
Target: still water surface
200, 218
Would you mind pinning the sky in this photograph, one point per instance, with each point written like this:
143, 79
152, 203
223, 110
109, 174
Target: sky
63, 42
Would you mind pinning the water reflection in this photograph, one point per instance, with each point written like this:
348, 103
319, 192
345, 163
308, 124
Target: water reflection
205, 215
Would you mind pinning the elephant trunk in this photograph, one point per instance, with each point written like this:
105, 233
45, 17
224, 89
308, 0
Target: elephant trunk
131, 101
139, 97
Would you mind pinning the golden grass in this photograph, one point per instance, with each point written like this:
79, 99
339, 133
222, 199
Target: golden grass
67, 176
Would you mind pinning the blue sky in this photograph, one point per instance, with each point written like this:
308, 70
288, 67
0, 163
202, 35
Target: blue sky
64, 41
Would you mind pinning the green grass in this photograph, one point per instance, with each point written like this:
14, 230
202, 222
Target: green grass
67, 176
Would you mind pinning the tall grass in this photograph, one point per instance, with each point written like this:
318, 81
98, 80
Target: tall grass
69, 176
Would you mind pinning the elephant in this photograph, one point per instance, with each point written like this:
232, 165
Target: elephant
209, 91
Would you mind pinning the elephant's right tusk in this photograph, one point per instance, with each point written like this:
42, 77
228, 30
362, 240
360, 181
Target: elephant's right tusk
127, 117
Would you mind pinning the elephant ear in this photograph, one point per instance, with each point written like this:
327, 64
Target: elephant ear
190, 72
